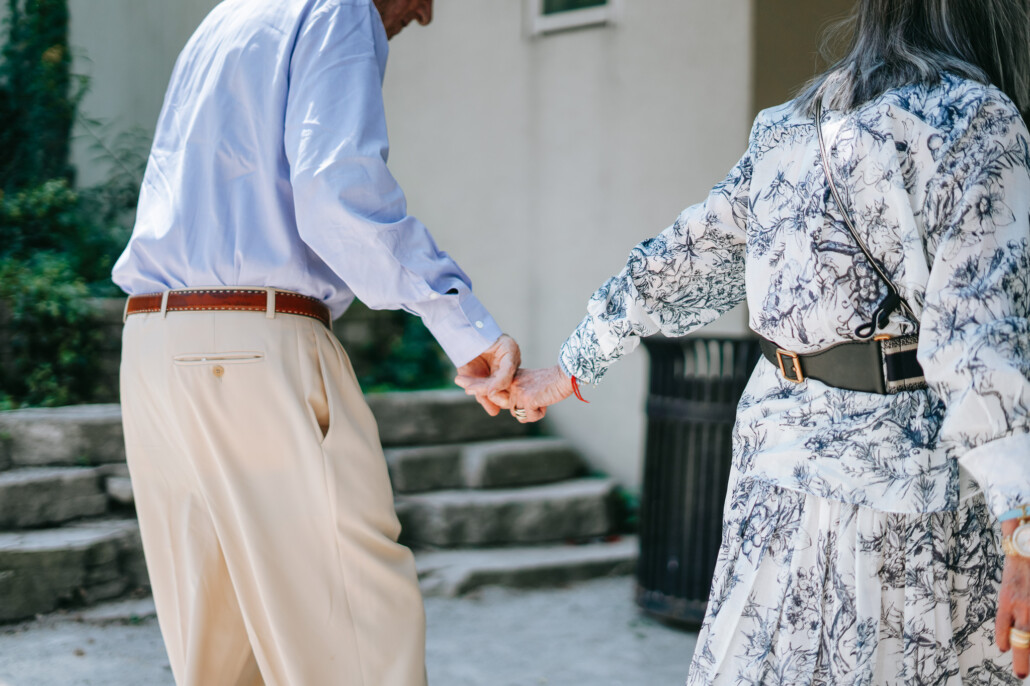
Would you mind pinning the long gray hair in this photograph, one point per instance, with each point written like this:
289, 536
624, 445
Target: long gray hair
899, 42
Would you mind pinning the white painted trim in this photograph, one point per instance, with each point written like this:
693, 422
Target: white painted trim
539, 23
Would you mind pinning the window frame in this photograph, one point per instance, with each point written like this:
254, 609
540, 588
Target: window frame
540, 23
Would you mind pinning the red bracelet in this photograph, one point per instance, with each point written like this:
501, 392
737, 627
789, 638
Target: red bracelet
575, 389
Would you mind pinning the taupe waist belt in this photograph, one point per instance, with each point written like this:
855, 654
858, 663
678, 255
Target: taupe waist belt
268, 300
884, 365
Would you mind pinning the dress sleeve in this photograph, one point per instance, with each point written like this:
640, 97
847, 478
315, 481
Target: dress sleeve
349, 209
678, 281
975, 337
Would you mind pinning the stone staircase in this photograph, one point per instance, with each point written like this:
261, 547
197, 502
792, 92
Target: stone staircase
481, 501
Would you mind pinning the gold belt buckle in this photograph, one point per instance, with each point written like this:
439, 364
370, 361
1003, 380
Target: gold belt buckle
795, 364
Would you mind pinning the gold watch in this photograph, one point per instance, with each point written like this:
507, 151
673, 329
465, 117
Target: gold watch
1018, 543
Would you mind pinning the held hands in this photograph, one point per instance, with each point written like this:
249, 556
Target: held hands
491, 373
1014, 606
527, 397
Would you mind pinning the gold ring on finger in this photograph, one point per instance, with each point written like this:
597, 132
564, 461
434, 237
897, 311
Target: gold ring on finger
1019, 638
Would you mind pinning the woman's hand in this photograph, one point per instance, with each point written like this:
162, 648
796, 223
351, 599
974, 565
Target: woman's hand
533, 390
1014, 605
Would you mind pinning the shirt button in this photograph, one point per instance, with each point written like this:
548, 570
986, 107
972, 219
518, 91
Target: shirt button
218, 370
434, 296
479, 325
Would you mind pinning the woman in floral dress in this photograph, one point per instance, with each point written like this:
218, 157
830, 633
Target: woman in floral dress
861, 540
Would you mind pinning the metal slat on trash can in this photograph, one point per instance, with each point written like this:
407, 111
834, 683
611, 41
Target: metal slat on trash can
695, 386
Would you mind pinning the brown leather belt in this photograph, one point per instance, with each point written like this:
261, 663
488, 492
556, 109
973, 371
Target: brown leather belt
266, 300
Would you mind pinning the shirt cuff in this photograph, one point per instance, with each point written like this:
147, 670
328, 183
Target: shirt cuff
461, 325
1002, 469
581, 355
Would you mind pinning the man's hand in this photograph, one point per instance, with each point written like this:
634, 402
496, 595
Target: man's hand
491, 373
533, 391
1014, 606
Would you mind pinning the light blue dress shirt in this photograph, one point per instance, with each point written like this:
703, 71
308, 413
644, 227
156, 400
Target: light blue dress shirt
269, 169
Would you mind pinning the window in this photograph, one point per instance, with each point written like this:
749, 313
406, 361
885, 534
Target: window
556, 6
547, 16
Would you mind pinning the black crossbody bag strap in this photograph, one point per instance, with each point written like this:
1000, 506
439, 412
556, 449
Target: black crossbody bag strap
893, 300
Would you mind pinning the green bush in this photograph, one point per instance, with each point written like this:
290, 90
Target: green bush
39, 96
51, 333
403, 357
55, 256
57, 244
53, 218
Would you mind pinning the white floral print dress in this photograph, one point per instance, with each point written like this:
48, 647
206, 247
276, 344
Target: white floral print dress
860, 541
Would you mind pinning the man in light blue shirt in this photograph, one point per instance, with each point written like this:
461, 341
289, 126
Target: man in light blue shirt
266, 208
269, 169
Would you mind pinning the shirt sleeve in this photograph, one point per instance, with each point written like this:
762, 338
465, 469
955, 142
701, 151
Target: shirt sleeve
674, 283
975, 338
349, 209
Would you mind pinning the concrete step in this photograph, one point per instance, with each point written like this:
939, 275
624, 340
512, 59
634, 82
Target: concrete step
92, 434
128, 611
119, 490
576, 509
118, 485
451, 573
489, 464
6, 449
44, 496
79, 564
73, 435
438, 417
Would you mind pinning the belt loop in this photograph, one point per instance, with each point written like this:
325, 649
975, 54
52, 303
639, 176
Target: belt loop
270, 304
125, 310
164, 304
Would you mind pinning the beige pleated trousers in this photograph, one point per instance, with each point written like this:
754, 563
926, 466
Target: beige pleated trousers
265, 505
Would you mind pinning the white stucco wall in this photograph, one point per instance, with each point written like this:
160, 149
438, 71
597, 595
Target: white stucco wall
538, 162
128, 48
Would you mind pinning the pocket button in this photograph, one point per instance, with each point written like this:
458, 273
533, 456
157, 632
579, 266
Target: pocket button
218, 370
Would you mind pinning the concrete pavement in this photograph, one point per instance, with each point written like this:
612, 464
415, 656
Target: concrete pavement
588, 633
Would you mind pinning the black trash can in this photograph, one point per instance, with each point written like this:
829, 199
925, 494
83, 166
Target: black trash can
696, 384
